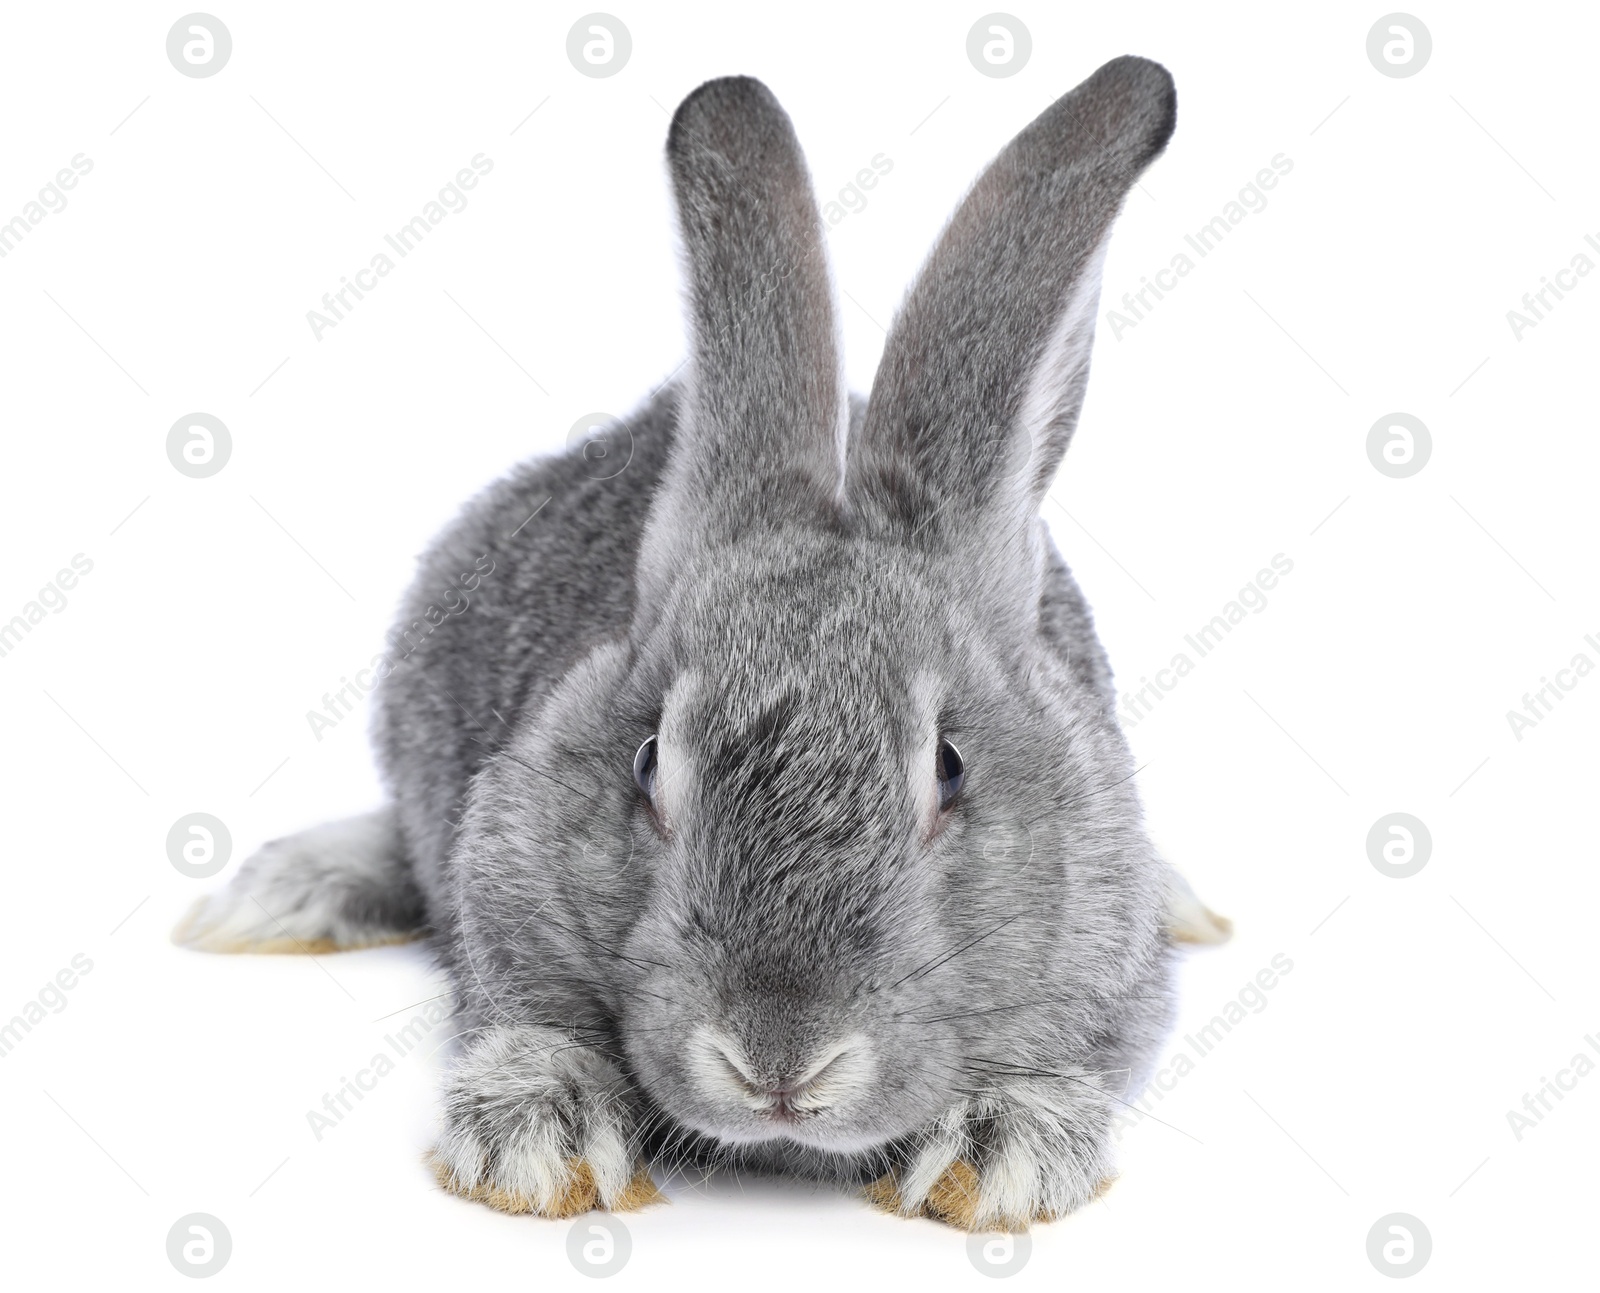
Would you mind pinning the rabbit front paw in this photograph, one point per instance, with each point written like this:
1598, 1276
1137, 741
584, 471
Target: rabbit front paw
1004, 1158
537, 1122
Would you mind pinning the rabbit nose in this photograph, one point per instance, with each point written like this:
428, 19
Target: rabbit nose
829, 1076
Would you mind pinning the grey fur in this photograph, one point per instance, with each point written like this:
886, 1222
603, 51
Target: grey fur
800, 630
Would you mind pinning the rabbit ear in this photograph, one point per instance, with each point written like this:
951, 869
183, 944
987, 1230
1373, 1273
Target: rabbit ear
763, 413
983, 373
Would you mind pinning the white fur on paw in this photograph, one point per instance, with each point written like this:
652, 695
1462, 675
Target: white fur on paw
1188, 920
1022, 1152
942, 1143
536, 1123
290, 895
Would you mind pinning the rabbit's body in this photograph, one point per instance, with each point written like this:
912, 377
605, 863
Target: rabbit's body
766, 803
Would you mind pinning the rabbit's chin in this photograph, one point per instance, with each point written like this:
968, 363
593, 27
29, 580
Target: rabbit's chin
810, 1152
830, 1138
843, 1141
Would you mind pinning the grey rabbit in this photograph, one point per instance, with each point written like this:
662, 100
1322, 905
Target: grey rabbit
767, 805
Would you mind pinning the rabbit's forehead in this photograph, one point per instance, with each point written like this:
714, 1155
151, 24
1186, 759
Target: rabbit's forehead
752, 700
810, 598
814, 642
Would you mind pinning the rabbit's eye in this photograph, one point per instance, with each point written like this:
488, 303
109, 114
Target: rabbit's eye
644, 766
951, 772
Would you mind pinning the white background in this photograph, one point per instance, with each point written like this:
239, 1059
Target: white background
1224, 428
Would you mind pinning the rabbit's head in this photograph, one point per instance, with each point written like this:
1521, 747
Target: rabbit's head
841, 825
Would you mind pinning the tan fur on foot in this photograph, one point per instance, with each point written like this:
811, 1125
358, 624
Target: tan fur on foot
297, 947
953, 1199
641, 1192
883, 1194
954, 1196
185, 935
1209, 929
582, 1195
